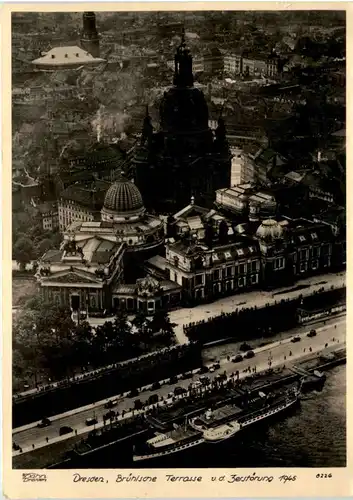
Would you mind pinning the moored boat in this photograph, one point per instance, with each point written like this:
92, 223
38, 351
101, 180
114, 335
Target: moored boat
162, 444
227, 421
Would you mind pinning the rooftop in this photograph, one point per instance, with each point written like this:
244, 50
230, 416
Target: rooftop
66, 56
89, 195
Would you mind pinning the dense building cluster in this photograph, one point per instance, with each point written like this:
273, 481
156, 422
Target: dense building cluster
258, 216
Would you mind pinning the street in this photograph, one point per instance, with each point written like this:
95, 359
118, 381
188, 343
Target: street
278, 352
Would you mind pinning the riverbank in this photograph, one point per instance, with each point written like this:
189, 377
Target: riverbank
48, 450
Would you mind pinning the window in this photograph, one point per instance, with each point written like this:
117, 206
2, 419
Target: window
279, 263
240, 252
251, 249
227, 255
242, 269
176, 261
254, 279
303, 254
315, 264
303, 267
215, 257
216, 274
229, 271
241, 282
253, 266
229, 286
314, 236
315, 252
326, 260
302, 238
199, 279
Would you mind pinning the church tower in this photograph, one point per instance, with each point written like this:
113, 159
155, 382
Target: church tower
90, 37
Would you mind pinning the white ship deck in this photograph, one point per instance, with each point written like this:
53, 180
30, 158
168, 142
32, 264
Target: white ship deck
173, 437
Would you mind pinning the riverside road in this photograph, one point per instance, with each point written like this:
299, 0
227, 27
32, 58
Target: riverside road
279, 353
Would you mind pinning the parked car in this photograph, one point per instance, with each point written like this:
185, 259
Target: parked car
138, 404
45, 422
245, 347
237, 358
212, 369
216, 365
312, 333
204, 380
186, 375
111, 403
91, 421
204, 369
65, 430
179, 390
156, 385
173, 380
249, 354
154, 398
110, 414
295, 339
133, 393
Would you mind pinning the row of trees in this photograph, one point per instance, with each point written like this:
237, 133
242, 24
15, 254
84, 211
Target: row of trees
48, 345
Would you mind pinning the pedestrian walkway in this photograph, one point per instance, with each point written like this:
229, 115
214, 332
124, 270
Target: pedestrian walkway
257, 298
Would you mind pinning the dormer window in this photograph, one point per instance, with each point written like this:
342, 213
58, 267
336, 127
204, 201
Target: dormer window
314, 236
227, 255
240, 252
302, 238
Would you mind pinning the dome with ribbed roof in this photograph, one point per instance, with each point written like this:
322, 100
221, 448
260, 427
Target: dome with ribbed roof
123, 202
269, 230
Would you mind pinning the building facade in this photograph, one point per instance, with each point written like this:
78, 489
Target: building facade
81, 202
98, 261
233, 64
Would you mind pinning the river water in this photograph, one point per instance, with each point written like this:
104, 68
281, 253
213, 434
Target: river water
313, 435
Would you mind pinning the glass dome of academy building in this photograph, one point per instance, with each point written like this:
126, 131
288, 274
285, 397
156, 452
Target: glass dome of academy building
183, 158
100, 260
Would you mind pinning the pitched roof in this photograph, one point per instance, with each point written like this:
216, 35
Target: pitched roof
91, 195
66, 56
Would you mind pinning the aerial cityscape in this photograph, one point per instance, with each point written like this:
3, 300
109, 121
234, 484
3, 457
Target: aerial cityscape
178, 239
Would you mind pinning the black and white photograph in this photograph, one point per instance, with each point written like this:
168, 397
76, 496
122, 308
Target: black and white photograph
178, 239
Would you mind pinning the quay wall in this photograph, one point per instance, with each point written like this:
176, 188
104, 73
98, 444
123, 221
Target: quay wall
266, 321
